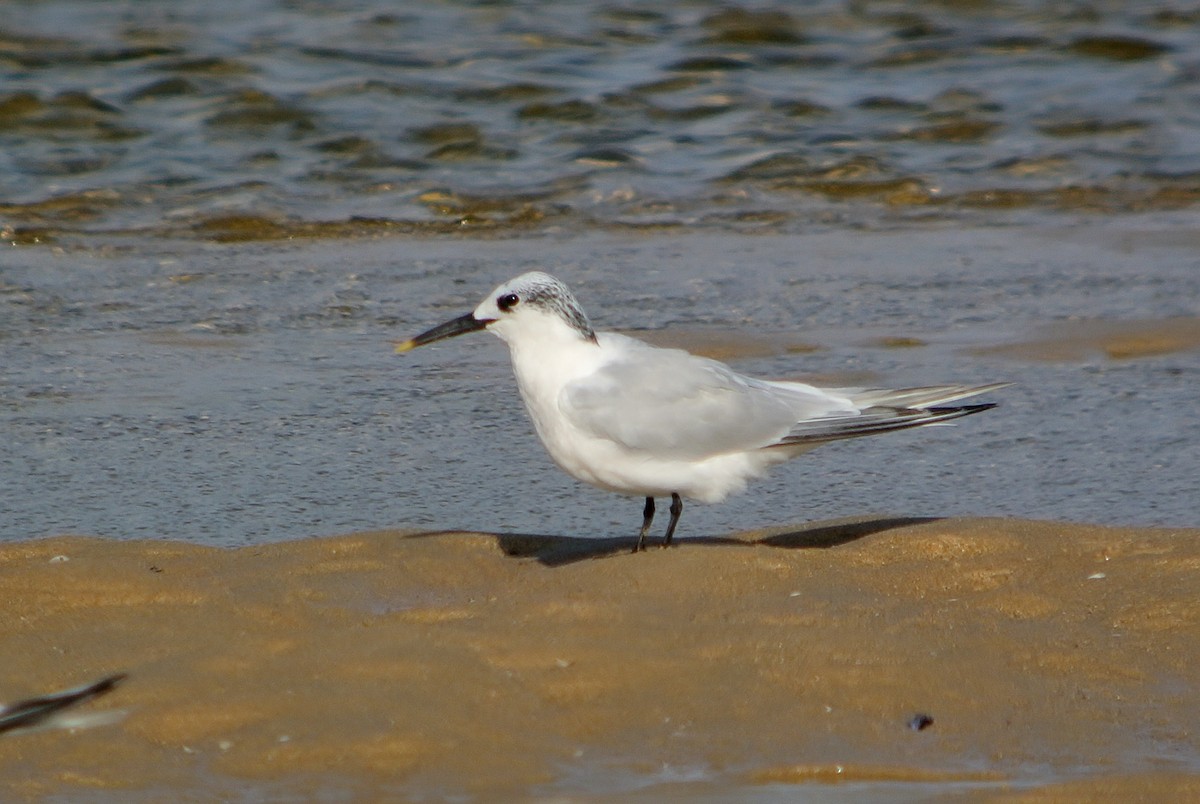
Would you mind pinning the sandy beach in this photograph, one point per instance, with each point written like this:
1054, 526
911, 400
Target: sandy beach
1051, 661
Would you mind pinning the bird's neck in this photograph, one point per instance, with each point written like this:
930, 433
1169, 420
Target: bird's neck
552, 362
544, 367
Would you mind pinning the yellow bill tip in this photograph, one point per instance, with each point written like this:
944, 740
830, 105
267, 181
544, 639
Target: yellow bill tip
404, 346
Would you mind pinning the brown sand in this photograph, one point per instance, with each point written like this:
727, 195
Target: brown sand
1119, 340
1057, 662
720, 344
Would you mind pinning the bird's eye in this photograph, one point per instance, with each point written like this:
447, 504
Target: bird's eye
507, 301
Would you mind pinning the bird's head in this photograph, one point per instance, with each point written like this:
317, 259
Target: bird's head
531, 307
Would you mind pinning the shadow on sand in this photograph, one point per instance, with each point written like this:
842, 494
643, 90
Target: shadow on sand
555, 551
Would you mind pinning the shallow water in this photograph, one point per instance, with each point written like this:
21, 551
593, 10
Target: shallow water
235, 394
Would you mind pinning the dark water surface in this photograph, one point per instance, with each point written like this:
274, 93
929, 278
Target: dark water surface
234, 120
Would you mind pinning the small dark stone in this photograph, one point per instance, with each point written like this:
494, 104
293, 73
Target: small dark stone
920, 722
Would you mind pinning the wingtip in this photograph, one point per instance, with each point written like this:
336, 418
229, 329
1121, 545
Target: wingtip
958, 411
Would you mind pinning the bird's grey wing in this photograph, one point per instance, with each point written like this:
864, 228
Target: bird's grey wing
671, 404
884, 409
872, 421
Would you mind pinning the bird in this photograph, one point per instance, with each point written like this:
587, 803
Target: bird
652, 422
46, 711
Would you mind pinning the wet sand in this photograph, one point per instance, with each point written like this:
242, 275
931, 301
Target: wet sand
1117, 340
1056, 662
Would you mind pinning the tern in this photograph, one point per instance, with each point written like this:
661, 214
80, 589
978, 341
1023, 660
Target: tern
650, 422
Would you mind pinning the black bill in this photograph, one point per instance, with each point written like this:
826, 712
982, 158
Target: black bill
458, 326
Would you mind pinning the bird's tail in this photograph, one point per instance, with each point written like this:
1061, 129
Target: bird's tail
883, 410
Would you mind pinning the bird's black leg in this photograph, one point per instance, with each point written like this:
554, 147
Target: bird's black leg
647, 518
676, 509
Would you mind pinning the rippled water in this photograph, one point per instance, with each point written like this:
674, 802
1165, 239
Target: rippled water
236, 120
220, 213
